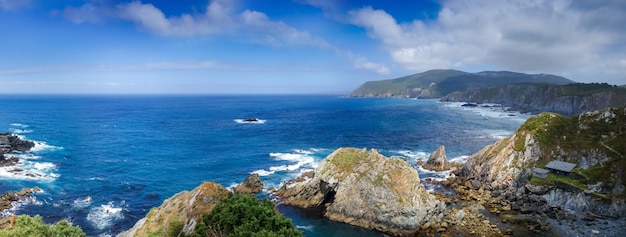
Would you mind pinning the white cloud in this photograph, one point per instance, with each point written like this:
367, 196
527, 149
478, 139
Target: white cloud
220, 18
536, 36
86, 13
360, 62
12, 5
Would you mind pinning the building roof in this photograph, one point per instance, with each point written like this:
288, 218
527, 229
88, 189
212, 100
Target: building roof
540, 171
561, 166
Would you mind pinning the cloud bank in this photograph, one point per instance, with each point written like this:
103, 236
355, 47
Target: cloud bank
577, 37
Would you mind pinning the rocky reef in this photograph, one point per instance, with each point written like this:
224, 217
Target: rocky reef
367, 189
10, 142
186, 206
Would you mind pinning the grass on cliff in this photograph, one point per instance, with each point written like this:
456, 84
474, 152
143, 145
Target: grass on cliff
586, 135
244, 215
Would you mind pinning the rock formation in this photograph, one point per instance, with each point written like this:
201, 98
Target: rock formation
186, 206
252, 184
595, 141
437, 160
7, 199
10, 142
367, 189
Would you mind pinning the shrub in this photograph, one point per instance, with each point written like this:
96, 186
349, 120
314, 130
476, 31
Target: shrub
244, 215
28, 226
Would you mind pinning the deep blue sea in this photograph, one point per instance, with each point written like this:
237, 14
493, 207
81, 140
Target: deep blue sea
104, 161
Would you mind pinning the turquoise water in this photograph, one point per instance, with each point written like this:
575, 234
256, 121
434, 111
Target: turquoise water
104, 161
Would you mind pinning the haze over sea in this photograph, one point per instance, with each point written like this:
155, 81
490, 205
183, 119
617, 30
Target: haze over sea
104, 161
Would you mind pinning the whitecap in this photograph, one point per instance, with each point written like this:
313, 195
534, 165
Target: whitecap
105, 215
20, 130
81, 203
42, 146
263, 172
19, 125
434, 175
28, 170
460, 159
258, 121
305, 227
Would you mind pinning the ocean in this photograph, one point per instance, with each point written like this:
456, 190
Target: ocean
103, 161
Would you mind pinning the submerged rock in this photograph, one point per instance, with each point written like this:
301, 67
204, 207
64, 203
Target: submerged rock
437, 160
186, 206
367, 189
252, 184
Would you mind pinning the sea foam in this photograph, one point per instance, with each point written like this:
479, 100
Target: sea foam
105, 215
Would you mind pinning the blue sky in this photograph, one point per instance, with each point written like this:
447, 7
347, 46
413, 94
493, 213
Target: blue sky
297, 46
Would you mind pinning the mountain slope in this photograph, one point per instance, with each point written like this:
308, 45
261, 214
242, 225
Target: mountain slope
437, 83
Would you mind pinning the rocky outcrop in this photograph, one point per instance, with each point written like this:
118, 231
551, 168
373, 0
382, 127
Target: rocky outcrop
252, 184
594, 141
567, 100
10, 142
7, 199
187, 207
437, 160
367, 189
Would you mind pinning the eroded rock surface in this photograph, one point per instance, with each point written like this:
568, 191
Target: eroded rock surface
367, 189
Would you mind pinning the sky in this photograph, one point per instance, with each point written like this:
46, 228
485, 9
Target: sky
296, 46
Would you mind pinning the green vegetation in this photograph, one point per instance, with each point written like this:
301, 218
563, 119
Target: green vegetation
26, 226
439, 83
602, 132
584, 89
244, 215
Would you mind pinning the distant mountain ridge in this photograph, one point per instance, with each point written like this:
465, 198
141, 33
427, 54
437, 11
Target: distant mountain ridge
440, 82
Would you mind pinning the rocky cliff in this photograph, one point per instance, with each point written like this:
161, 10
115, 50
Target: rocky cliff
569, 100
187, 207
594, 141
367, 189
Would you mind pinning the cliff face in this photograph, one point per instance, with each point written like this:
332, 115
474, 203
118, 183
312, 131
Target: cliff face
595, 141
186, 206
535, 98
366, 189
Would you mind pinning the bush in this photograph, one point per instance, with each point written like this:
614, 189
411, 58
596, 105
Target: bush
244, 215
27, 226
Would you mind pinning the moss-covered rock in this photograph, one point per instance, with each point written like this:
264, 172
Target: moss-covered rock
185, 208
367, 189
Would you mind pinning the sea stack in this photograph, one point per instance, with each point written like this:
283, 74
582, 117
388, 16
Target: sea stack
437, 160
252, 184
367, 189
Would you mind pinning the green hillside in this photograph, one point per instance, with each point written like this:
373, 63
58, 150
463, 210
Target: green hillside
437, 83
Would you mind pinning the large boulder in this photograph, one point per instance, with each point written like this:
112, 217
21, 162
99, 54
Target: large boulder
186, 206
367, 189
252, 184
437, 160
